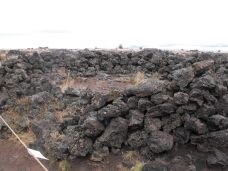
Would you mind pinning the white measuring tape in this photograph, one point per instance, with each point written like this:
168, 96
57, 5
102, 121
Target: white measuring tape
35, 154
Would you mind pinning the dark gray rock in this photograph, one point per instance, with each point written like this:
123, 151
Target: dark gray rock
122, 106
136, 119
159, 141
160, 98
144, 104
150, 87
152, 124
3, 98
92, 126
217, 122
167, 108
196, 96
218, 139
132, 102
204, 82
181, 135
202, 66
196, 126
171, 122
99, 154
217, 159
81, 146
114, 135
108, 111
206, 111
183, 76
181, 98
181, 163
137, 139
41, 98
155, 166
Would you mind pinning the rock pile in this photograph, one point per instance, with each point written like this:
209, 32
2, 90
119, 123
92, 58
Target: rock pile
187, 104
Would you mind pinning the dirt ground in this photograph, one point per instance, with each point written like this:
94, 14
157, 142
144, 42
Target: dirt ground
14, 157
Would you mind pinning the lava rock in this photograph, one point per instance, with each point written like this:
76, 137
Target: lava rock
3, 98
204, 82
183, 76
148, 88
132, 102
92, 126
217, 122
136, 119
181, 135
143, 104
181, 163
196, 126
218, 139
159, 141
181, 98
160, 98
152, 124
114, 135
202, 66
81, 147
171, 122
217, 159
137, 139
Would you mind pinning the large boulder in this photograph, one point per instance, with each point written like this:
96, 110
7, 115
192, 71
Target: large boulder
195, 125
137, 139
92, 126
114, 135
217, 122
159, 142
148, 88
202, 66
215, 139
136, 119
181, 98
183, 76
3, 98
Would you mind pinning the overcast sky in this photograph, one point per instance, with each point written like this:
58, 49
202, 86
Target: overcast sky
107, 23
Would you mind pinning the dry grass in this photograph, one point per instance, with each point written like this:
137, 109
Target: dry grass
135, 159
28, 137
138, 78
156, 76
3, 57
64, 165
24, 101
56, 136
130, 155
68, 82
138, 167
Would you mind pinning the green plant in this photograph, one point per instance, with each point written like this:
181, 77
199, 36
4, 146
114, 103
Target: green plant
138, 167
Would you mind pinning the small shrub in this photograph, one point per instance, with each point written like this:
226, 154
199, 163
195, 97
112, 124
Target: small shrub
138, 167
139, 78
64, 165
120, 46
130, 155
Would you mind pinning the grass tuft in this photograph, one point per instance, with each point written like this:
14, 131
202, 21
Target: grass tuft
64, 165
130, 155
138, 78
138, 167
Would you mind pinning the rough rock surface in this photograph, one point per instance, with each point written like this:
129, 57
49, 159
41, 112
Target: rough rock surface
90, 102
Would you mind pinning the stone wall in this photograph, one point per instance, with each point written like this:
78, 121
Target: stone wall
186, 104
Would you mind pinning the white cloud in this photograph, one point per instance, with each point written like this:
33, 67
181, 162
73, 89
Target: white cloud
106, 23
